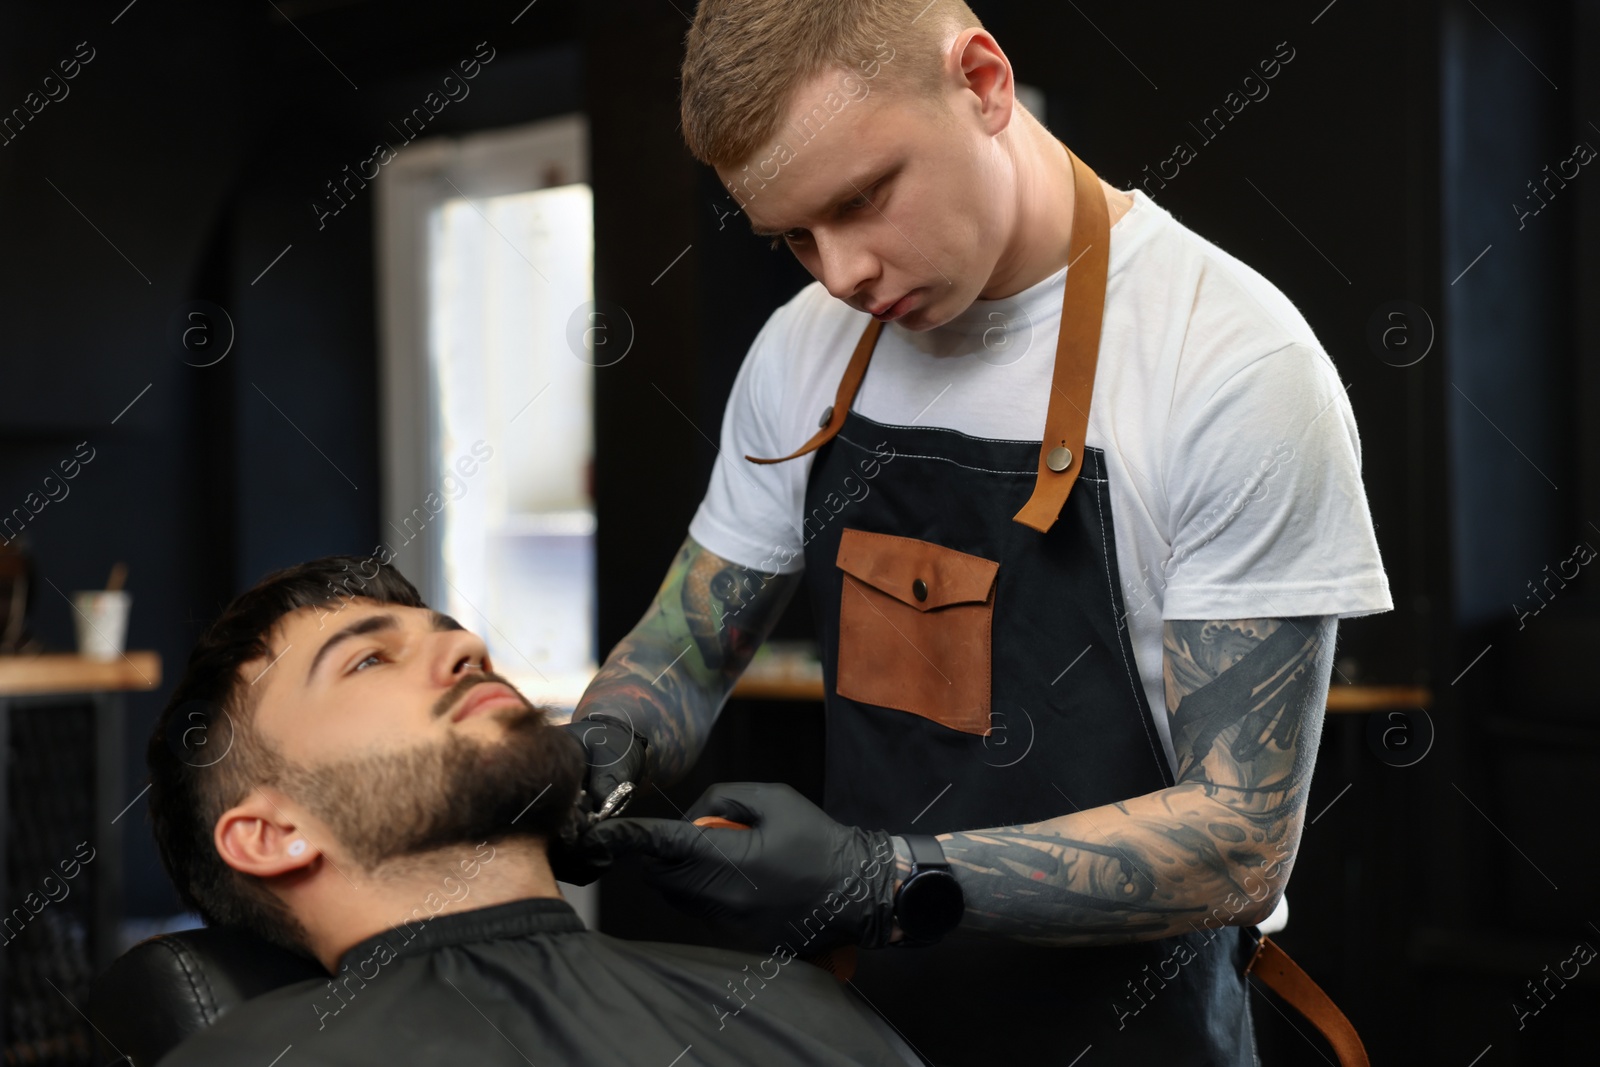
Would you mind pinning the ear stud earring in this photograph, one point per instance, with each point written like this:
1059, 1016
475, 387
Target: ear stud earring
297, 847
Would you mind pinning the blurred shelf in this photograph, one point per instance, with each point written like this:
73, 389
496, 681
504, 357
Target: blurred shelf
792, 677
782, 670
1361, 698
71, 673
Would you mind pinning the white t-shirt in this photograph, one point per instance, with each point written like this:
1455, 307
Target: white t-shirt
1232, 453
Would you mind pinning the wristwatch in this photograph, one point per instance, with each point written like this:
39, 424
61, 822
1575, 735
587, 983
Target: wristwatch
929, 903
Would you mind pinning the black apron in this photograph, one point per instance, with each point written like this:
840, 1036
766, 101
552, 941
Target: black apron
986, 696
1058, 742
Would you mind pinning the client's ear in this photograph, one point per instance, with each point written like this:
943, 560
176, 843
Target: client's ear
258, 837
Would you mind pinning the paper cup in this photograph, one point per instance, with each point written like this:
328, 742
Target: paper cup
102, 618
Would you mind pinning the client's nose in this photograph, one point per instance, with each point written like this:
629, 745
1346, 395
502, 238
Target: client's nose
457, 654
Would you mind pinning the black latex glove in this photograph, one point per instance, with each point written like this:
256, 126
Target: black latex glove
794, 877
614, 753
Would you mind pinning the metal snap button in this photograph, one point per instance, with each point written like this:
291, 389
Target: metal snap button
919, 589
827, 416
1059, 458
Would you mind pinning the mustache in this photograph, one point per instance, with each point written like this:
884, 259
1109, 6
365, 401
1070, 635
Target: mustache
452, 696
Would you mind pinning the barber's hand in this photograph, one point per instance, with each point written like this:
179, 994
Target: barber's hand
795, 876
613, 753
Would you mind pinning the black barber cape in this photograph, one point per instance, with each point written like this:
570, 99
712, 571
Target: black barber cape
526, 982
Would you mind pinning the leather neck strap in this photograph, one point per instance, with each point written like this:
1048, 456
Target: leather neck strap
1066, 424
833, 418
1077, 353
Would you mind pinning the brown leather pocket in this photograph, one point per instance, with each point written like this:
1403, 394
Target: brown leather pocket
914, 628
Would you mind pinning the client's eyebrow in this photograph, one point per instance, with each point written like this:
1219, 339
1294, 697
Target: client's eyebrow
373, 624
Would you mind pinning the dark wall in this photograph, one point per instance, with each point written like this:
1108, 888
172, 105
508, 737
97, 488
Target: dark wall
1512, 359
1518, 93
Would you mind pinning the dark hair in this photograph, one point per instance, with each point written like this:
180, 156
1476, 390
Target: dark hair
204, 755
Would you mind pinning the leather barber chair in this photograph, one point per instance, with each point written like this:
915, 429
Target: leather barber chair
173, 985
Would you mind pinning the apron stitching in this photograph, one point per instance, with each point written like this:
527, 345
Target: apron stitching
944, 429
1144, 719
946, 459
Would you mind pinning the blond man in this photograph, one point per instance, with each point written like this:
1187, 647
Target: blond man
1076, 496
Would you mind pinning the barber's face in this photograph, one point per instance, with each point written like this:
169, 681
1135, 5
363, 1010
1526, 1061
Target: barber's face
399, 736
890, 201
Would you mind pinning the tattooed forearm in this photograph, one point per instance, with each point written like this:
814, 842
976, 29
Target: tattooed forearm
1246, 700
672, 673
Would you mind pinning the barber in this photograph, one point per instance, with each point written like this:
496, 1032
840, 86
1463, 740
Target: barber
997, 790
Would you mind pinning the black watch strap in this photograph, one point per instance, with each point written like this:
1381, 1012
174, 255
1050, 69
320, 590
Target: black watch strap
929, 903
926, 852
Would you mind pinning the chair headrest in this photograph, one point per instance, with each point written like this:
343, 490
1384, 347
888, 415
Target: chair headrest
169, 987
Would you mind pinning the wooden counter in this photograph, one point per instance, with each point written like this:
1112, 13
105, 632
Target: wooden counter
71, 673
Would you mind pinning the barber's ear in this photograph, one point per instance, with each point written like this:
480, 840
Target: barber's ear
257, 837
984, 70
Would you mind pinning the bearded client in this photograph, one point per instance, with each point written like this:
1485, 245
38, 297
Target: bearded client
383, 803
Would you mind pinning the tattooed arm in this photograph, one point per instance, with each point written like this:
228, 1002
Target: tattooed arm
671, 675
1246, 699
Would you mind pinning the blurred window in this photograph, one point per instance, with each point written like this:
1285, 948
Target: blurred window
486, 248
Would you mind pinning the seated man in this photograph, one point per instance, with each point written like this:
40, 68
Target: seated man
341, 772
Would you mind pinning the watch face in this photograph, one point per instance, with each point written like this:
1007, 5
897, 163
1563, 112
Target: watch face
931, 904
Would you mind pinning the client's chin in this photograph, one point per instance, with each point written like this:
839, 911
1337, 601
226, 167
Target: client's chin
387, 805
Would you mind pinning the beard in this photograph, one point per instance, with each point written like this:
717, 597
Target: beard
390, 805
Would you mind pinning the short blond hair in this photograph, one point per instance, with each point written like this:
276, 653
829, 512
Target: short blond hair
744, 60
